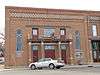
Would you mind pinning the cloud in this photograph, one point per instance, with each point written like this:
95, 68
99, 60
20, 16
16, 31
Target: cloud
62, 4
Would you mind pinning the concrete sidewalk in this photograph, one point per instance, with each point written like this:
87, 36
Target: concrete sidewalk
2, 67
80, 66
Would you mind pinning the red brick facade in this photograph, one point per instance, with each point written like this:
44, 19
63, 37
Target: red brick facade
76, 25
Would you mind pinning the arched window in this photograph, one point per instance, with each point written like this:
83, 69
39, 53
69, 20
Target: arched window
19, 40
77, 40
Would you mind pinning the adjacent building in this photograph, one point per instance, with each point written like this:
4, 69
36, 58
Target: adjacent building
34, 33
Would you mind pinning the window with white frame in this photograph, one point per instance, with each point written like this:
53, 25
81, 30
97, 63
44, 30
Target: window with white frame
62, 31
34, 31
94, 30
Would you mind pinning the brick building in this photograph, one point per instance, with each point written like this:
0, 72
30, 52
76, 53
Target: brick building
34, 33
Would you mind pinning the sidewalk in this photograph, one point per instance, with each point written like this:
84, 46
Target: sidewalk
80, 66
2, 67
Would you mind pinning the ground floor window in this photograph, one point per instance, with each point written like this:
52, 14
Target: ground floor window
49, 47
63, 47
96, 51
34, 47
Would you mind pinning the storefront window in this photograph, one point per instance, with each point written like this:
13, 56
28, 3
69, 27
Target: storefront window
94, 54
34, 47
49, 47
63, 47
94, 45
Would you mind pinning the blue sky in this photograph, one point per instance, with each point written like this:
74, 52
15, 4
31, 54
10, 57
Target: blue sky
58, 4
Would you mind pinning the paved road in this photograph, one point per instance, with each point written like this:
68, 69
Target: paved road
46, 72
63, 71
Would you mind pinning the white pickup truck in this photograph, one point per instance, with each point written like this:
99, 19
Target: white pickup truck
47, 62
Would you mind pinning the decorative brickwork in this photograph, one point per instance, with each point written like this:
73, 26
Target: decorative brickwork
26, 19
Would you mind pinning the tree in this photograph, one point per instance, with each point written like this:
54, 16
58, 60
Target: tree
2, 43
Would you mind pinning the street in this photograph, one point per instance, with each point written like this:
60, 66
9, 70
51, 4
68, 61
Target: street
62, 71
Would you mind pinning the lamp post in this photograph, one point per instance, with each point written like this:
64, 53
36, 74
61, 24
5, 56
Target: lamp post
42, 49
30, 51
59, 49
71, 54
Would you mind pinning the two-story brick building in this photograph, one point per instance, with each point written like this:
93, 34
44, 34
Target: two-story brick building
34, 33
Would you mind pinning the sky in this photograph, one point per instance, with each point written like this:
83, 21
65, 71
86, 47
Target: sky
55, 4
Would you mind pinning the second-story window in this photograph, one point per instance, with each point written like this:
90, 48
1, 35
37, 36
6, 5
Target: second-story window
94, 30
48, 32
34, 31
62, 31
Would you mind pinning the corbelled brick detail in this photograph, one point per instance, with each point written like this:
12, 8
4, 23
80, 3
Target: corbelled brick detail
25, 18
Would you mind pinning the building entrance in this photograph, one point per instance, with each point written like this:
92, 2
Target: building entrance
96, 50
49, 51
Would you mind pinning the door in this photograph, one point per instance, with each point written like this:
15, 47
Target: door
35, 53
63, 52
35, 56
96, 51
49, 51
63, 55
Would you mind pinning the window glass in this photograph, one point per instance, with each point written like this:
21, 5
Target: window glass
34, 47
18, 40
94, 30
48, 32
47, 59
94, 45
62, 31
63, 47
94, 54
77, 40
49, 47
35, 31
41, 60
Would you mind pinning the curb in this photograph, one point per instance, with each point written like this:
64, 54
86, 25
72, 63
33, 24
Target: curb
5, 70
81, 66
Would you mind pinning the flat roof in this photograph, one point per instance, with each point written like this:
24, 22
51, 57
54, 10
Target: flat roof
54, 11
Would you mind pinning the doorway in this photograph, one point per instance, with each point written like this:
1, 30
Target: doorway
96, 50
